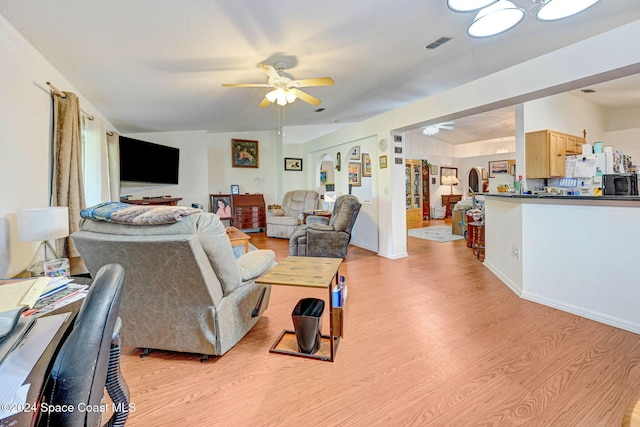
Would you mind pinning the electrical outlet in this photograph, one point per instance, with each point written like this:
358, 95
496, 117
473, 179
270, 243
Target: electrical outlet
516, 252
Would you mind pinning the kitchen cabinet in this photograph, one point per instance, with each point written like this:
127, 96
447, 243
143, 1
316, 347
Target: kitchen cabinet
413, 192
545, 152
574, 145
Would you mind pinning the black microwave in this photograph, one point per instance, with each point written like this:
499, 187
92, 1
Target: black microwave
620, 184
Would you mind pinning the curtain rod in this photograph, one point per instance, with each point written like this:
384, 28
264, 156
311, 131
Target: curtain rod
62, 95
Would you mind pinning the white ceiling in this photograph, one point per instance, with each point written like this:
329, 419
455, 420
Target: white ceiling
158, 65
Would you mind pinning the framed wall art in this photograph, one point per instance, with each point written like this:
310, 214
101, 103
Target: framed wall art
292, 164
323, 177
367, 167
221, 205
354, 154
244, 153
498, 167
355, 176
383, 162
446, 171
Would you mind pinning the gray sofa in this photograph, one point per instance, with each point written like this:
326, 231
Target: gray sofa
283, 221
184, 290
327, 237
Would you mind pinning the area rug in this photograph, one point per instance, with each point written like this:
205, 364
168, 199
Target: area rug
238, 251
436, 233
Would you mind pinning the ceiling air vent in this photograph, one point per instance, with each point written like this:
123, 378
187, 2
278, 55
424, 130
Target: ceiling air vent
588, 90
437, 43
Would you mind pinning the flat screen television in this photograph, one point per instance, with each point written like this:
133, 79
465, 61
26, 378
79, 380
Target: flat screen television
146, 162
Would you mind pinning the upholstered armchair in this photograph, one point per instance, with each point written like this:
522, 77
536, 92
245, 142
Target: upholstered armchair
282, 222
184, 289
327, 237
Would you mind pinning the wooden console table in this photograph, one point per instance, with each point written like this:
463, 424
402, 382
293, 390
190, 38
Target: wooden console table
168, 201
310, 272
449, 200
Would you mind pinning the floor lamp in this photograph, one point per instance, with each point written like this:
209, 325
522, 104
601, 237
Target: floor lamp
42, 225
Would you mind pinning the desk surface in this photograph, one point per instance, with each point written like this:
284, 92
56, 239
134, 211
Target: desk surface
310, 272
39, 374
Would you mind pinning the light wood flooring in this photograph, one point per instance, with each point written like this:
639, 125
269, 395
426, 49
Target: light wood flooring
434, 339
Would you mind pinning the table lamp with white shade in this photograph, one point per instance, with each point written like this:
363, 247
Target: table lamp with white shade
450, 180
42, 225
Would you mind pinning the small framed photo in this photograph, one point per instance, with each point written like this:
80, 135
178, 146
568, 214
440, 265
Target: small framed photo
221, 205
383, 162
367, 167
235, 189
433, 170
397, 138
244, 153
498, 167
323, 177
354, 154
355, 174
292, 164
397, 150
398, 161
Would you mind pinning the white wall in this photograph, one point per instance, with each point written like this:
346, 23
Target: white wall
25, 139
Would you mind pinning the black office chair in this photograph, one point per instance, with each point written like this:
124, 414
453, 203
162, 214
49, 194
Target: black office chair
89, 360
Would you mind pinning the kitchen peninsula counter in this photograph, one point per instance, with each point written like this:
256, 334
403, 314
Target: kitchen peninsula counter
574, 253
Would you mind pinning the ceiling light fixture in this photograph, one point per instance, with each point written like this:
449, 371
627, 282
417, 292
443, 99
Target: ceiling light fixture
281, 96
552, 10
495, 19
498, 16
430, 130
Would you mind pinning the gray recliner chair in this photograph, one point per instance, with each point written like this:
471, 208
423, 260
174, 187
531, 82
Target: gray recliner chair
327, 237
282, 222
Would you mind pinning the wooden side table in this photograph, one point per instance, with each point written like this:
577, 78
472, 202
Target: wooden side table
449, 200
305, 214
237, 237
309, 272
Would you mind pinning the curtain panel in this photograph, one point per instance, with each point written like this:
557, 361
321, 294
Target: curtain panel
67, 184
113, 162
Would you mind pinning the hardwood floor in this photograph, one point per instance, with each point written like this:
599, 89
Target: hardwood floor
433, 339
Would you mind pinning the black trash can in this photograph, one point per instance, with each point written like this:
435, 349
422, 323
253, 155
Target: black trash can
307, 321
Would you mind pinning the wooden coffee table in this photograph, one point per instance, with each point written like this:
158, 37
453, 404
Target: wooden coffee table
309, 272
237, 238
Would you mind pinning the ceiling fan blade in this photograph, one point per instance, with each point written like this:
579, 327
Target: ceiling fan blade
318, 81
271, 72
264, 103
306, 97
246, 85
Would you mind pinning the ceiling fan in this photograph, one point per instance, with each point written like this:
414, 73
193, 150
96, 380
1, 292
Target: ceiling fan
434, 129
285, 90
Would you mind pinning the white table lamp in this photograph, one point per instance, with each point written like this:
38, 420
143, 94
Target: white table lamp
450, 180
42, 225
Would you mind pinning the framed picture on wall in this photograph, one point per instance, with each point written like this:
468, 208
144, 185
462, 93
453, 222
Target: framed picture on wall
354, 154
244, 153
383, 162
498, 167
221, 205
323, 177
433, 170
292, 164
447, 171
355, 174
366, 165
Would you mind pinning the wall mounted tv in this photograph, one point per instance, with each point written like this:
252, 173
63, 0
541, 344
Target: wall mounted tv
145, 162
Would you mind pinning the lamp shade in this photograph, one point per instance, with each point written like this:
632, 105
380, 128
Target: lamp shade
558, 9
450, 180
496, 19
39, 224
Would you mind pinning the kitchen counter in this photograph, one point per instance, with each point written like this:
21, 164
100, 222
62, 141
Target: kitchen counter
573, 253
560, 197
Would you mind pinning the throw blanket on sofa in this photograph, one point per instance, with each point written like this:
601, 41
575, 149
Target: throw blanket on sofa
124, 213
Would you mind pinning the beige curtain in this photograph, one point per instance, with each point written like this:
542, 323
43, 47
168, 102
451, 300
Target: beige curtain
67, 185
113, 162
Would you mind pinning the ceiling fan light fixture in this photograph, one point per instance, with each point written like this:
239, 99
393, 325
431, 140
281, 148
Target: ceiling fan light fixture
430, 130
468, 5
495, 19
552, 10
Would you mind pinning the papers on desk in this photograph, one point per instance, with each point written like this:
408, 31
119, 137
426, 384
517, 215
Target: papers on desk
21, 292
15, 368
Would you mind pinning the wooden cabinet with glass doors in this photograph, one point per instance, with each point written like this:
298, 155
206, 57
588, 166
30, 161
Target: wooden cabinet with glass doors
413, 192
